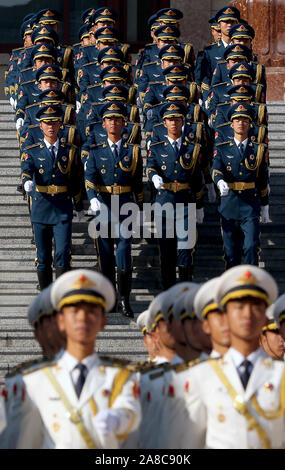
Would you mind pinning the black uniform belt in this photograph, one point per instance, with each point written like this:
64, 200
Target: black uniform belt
52, 189
241, 186
175, 186
114, 189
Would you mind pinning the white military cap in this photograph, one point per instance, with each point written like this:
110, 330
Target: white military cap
278, 310
40, 306
83, 285
178, 310
246, 281
189, 301
142, 321
204, 301
173, 293
154, 311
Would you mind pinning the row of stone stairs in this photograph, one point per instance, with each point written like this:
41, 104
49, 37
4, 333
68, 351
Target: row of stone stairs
121, 338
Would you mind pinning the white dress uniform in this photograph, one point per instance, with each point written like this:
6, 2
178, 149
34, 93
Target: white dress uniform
54, 417
228, 417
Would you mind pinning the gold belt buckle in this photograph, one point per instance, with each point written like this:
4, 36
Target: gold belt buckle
116, 189
52, 189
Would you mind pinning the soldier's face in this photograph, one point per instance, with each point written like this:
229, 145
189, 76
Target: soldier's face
246, 318
85, 41
161, 43
28, 40
174, 125
216, 324
282, 329
113, 82
196, 336
168, 62
113, 125
244, 41
101, 45
110, 62
81, 322
241, 81
104, 24
273, 344
50, 129
232, 62
92, 39
240, 125
226, 26
164, 335
48, 84
42, 61
216, 34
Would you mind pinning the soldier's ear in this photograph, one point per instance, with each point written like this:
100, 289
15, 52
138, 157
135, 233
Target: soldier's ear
232, 125
103, 124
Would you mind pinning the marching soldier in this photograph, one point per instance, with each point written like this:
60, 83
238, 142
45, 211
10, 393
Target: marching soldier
114, 168
245, 409
85, 401
173, 166
279, 314
42, 318
51, 174
271, 340
240, 170
215, 322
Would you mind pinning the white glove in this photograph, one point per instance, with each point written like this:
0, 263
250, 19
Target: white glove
78, 106
12, 102
157, 181
85, 166
149, 114
95, 204
265, 214
199, 216
80, 215
106, 421
28, 186
223, 187
19, 124
211, 192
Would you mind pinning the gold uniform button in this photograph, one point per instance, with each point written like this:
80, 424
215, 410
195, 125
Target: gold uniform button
115, 174
53, 176
241, 164
175, 171
240, 172
240, 192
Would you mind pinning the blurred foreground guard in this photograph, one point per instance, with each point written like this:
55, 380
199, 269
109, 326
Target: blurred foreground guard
85, 401
245, 408
240, 171
51, 175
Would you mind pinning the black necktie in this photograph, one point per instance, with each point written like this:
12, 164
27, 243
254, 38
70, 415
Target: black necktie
52, 152
115, 152
81, 379
245, 371
175, 147
241, 148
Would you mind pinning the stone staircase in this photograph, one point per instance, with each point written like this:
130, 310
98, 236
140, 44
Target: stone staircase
121, 338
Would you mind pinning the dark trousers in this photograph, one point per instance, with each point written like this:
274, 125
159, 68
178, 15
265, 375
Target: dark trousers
241, 238
61, 232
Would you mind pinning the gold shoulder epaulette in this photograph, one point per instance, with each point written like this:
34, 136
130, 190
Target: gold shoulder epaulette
27, 68
33, 126
222, 61
224, 143
223, 104
20, 367
94, 85
218, 84
151, 63
90, 63
40, 365
156, 143
160, 82
158, 124
31, 105
18, 49
33, 146
76, 44
29, 81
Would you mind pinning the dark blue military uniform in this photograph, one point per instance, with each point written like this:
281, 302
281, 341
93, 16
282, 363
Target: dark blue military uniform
221, 74
247, 177
105, 177
33, 135
55, 184
225, 133
260, 115
182, 177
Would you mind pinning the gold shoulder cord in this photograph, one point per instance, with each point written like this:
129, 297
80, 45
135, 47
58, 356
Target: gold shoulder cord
66, 57
187, 50
71, 158
120, 379
259, 158
241, 406
74, 416
196, 112
272, 414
